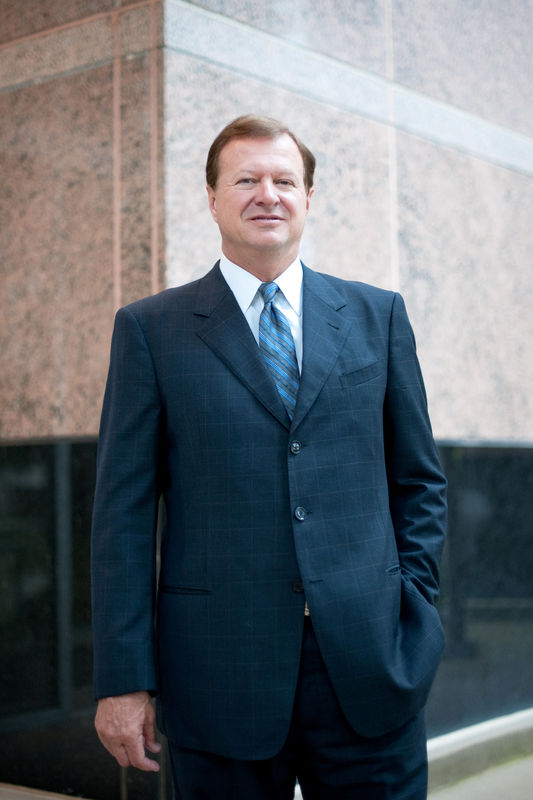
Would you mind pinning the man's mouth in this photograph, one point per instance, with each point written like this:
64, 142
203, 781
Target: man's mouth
266, 218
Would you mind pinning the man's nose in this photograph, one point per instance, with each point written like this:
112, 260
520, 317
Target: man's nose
266, 192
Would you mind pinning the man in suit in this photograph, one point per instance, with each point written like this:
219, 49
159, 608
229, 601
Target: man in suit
291, 629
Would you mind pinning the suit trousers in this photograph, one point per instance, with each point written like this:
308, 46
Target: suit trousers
322, 751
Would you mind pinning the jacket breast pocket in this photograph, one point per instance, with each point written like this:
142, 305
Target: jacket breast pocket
190, 590
362, 375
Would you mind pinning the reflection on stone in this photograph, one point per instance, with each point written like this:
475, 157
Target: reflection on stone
487, 592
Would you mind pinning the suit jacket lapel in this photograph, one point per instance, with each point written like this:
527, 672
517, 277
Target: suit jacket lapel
224, 328
324, 334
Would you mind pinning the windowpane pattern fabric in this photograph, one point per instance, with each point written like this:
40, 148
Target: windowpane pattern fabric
277, 345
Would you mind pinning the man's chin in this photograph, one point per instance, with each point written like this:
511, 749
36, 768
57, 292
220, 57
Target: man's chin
268, 240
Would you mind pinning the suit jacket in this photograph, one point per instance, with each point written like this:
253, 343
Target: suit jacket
343, 507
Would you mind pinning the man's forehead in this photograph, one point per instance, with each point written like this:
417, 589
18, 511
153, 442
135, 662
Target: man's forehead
247, 148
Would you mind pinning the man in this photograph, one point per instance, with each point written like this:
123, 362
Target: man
281, 414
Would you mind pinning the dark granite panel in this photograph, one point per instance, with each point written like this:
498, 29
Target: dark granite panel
47, 738
487, 592
31, 16
56, 237
28, 665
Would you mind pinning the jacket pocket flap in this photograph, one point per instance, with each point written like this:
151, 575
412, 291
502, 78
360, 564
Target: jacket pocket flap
362, 375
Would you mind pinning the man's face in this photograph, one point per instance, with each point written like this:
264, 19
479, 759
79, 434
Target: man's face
260, 202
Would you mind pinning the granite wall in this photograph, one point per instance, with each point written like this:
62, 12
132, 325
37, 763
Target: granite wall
80, 111
419, 115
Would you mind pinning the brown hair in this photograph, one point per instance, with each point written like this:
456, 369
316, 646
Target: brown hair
262, 127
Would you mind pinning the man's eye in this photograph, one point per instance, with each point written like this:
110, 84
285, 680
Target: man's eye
246, 180
285, 182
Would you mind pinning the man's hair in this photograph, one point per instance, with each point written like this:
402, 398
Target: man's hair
252, 125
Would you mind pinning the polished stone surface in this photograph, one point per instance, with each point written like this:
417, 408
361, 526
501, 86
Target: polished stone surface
47, 737
278, 62
475, 55
46, 56
136, 180
31, 17
486, 590
135, 31
465, 239
91, 42
57, 254
354, 32
81, 211
21, 19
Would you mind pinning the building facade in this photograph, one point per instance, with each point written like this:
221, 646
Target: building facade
419, 115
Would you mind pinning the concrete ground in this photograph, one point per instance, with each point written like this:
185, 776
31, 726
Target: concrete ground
513, 781
8, 792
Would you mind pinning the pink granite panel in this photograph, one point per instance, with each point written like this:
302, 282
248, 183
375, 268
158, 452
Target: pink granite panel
51, 54
31, 16
56, 238
136, 30
82, 45
465, 241
475, 55
141, 163
136, 179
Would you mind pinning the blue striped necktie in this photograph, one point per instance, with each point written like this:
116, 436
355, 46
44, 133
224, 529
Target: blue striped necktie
277, 345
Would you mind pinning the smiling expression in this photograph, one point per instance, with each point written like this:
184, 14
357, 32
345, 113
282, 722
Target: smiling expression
260, 202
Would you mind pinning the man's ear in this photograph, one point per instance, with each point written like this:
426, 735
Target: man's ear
310, 193
212, 202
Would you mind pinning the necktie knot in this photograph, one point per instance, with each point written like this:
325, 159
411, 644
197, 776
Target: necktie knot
268, 291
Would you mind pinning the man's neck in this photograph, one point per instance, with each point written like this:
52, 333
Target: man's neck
264, 268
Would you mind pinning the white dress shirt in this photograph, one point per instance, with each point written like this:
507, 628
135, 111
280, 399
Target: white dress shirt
288, 300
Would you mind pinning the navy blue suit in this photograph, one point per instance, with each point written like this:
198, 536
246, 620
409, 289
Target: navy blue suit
346, 503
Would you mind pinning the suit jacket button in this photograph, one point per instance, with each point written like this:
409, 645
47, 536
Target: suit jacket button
295, 447
298, 587
300, 513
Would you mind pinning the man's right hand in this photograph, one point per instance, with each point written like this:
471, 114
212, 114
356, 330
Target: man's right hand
126, 726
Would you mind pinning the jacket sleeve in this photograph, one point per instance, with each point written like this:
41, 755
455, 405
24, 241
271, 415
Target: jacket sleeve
417, 486
123, 546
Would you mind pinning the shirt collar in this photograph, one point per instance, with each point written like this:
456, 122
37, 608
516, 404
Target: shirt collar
244, 285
